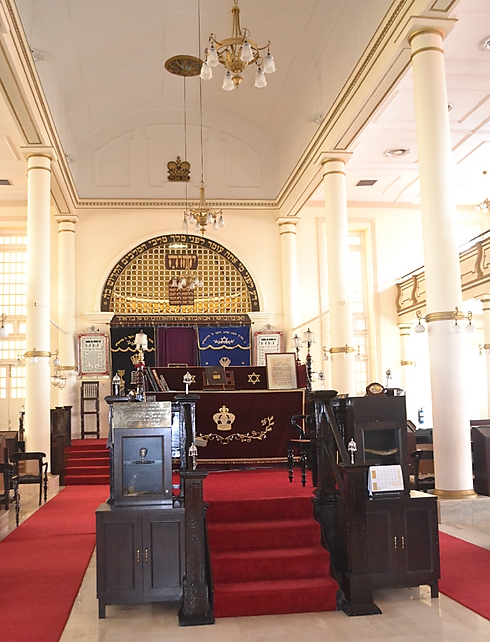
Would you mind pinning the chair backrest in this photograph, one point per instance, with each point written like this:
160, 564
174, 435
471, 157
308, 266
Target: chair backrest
28, 464
6, 471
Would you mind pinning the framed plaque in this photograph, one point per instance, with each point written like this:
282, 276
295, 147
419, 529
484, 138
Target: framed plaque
281, 371
93, 354
264, 343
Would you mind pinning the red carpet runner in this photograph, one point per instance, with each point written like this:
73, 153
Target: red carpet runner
465, 569
87, 462
265, 546
43, 563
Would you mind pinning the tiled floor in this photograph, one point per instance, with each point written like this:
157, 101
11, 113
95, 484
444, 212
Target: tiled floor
409, 615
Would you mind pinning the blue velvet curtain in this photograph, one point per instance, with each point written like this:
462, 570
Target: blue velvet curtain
231, 342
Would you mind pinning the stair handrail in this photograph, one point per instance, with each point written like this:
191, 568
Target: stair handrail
340, 508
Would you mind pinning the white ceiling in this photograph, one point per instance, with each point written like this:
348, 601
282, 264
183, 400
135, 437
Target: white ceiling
119, 114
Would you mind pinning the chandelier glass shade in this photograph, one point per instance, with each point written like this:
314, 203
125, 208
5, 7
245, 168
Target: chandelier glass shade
484, 206
236, 54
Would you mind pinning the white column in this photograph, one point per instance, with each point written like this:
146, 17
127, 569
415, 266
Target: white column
38, 386
486, 338
66, 308
289, 274
452, 446
341, 331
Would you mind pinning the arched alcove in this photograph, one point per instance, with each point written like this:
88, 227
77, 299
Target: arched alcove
179, 273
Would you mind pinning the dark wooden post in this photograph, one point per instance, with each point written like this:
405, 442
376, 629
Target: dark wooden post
357, 584
197, 607
340, 508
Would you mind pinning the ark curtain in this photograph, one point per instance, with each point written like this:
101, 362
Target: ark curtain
231, 342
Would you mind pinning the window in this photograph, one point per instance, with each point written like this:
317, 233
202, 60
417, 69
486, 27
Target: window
359, 308
13, 289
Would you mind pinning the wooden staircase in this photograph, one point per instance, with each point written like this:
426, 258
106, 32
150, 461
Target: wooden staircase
86, 462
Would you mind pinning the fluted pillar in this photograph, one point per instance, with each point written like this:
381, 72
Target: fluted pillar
289, 274
486, 338
37, 406
452, 447
66, 307
341, 331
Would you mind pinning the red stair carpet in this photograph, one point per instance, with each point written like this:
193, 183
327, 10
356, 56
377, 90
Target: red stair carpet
87, 462
265, 546
43, 562
465, 573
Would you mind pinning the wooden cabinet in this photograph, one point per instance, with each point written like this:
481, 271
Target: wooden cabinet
403, 542
378, 425
140, 555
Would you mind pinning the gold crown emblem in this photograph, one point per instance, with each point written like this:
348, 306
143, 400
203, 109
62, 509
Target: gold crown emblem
224, 418
178, 170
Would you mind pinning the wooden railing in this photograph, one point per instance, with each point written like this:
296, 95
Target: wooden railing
340, 508
474, 261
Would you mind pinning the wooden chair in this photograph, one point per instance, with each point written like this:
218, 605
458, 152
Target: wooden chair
306, 444
30, 468
8, 484
422, 482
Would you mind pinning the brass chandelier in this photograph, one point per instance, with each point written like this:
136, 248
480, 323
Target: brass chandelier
235, 54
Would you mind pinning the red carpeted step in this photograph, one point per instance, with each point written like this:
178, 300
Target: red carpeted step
82, 480
266, 556
292, 533
87, 462
276, 564
90, 461
275, 597
257, 509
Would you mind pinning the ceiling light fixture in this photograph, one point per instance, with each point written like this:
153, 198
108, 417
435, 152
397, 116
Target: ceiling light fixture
486, 43
397, 151
203, 214
235, 54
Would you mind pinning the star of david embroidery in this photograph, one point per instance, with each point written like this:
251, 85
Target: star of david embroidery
253, 378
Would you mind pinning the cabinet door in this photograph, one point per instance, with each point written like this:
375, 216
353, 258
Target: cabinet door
163, 554
383, 542
119, 557
420, 545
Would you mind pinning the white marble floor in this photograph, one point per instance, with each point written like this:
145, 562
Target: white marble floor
409, 615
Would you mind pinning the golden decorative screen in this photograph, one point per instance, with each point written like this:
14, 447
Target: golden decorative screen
142, 281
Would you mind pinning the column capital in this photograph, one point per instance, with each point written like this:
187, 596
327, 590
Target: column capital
66, 218
485, 299
327, 157
260, 317
97, 318
287, 220
418, 25
39, 150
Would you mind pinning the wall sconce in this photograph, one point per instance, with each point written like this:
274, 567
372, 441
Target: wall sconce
4, 331
346, 351
325, 356
33, 355
455, 316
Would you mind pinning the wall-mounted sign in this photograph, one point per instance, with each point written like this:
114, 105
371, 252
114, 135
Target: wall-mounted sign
93, 354
266, 342
180, 296
181, 262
